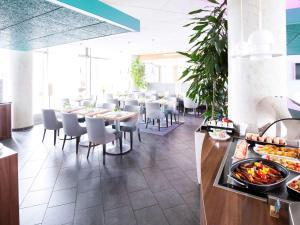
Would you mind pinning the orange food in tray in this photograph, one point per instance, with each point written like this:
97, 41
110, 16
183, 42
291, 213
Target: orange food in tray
279, 151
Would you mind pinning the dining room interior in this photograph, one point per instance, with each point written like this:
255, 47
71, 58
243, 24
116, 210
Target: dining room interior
122, 112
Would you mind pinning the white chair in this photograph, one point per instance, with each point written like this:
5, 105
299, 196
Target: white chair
50, 123
131, 102
189, 104
132, 124
154, 113
113, 101
98, 134
72, 128
109, 106
171, 109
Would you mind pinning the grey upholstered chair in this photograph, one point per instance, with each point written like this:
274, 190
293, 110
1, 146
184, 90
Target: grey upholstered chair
171, 108
98, 134
50, 123
154, 113
132, 124
109, 106
113, 101
72, 128
189, 104
131, 102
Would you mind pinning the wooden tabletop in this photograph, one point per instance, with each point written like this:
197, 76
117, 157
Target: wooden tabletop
117, 116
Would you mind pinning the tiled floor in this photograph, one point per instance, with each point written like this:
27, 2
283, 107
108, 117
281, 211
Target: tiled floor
153, 185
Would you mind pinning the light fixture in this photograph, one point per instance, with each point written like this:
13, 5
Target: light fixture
241, 50
261, 42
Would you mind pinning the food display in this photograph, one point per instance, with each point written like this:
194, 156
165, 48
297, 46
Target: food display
293, 153
293, 186
265, 139
220, 135
241, 150
257, 173
289, 164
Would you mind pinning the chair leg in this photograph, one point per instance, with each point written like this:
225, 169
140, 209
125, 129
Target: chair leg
183, 111
124, 135
90, 143
131, 140
58, 132
44, 135
175, 118
171, 119
121, 146
167, 120
65, 137
139, 135
158, 121
153, 122
147, 121
104, 152
54, 137
77, 144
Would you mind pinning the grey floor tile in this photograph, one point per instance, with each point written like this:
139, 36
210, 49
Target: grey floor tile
168, 199
89, 216
174, 173
62, 197
89, 184
59, 215
151, 216
192, 200
181, 215
24, 187
32, 215
142, 199
88, 199
37, 198
120, 216
156, 180
184, 185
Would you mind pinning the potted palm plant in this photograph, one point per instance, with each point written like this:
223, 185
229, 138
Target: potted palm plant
207, 69
138, 74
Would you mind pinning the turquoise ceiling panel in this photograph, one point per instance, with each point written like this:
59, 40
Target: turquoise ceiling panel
293, 31
34, 24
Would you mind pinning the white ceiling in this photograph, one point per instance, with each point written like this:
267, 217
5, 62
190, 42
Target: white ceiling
161, 27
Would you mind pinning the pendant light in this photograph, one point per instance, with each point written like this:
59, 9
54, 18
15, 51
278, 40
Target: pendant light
261, 42
241, 50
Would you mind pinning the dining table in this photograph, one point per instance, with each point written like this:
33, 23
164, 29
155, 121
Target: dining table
115, 116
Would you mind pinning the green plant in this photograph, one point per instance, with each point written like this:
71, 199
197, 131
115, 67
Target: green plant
138, 74
208, 59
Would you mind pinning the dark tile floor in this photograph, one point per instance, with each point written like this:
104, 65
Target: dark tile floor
153, 185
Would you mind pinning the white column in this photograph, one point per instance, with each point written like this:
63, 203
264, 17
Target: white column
20, 73
250, 81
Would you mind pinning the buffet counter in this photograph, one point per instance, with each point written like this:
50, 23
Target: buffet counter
223, 201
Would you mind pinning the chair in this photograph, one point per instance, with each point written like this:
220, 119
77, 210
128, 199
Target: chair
132, 124
154, 113
98, 134
109, 106
131, 102
50, 123
189, 104
72, 128
114, 101
171, 108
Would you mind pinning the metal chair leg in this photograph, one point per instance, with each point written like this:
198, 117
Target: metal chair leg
171, 119
104, 152
44, 135
131, 140
139, 135
167, 120
65, 137
147, 123
90, 144
158, 121
77, 144
121, 146
54, 137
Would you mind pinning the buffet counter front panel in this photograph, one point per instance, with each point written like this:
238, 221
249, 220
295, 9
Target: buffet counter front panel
224, 202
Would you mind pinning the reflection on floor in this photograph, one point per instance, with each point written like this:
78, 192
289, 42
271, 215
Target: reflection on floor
153, 185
